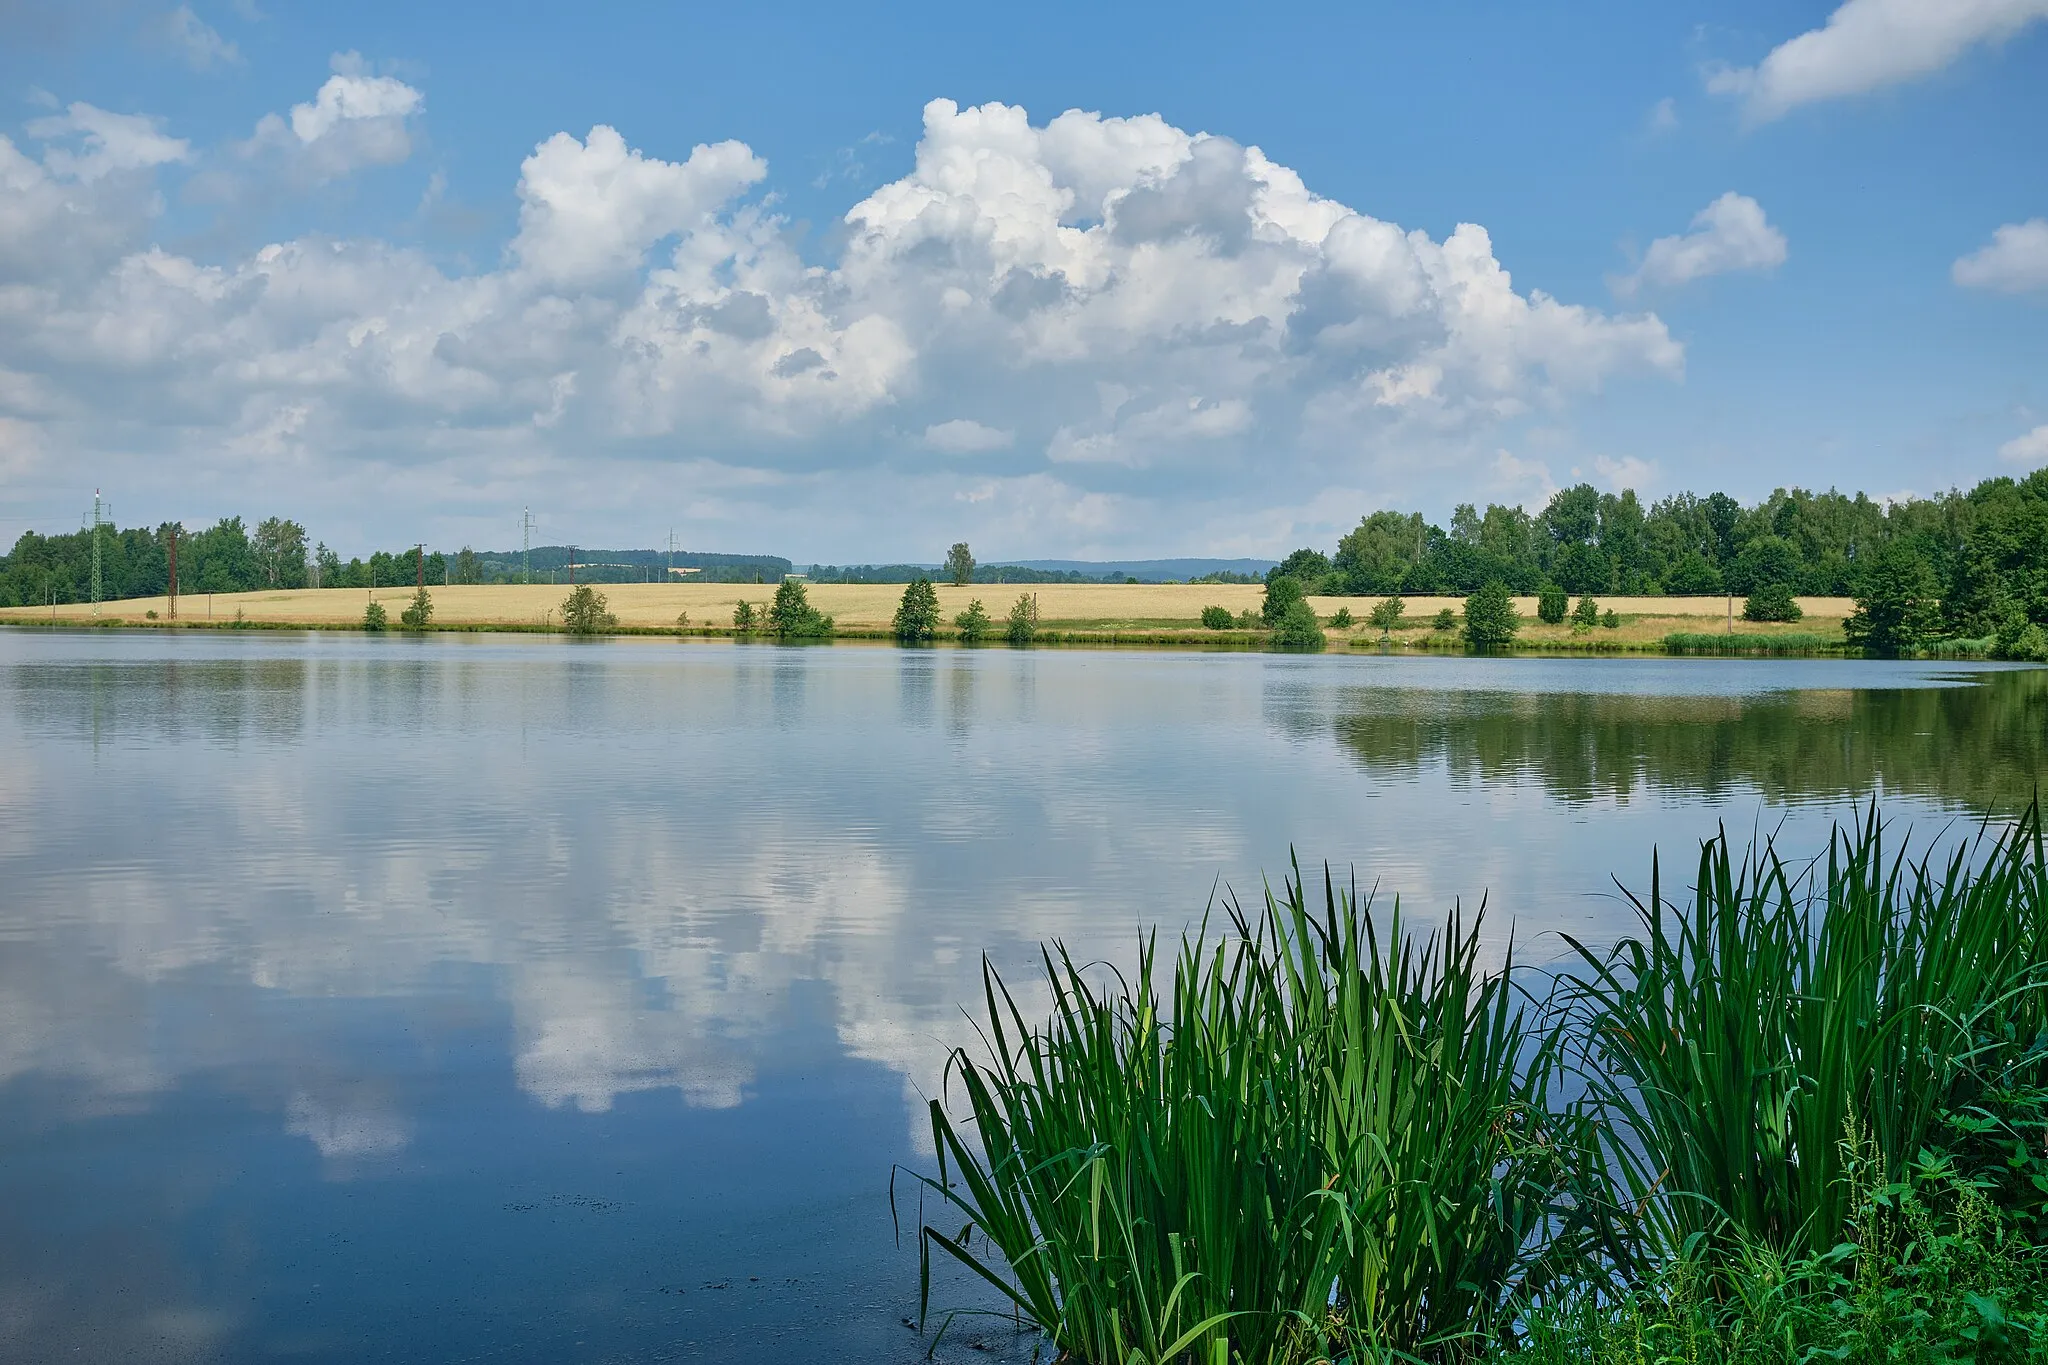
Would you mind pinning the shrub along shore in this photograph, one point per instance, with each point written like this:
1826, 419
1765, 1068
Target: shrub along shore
1799, 1114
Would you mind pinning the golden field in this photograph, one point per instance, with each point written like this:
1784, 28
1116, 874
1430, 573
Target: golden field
1133, 607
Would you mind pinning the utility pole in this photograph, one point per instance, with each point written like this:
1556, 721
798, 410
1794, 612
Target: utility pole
572, 566
419, 565
526, 546
174, 571
670, 577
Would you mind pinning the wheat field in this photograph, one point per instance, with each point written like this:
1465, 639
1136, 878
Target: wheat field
1074, 606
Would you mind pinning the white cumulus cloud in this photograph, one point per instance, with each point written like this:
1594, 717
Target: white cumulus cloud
2031, 448
355, 120
1867, 45
2014, 261
963, 436
109, 143
1727, 235
1141, 321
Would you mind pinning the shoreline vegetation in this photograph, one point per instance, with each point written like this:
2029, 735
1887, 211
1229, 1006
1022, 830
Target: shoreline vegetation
1797, 1114
1098, 615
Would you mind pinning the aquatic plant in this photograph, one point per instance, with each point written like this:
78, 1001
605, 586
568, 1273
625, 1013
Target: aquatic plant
1807, 1118
1738, 1041
1714, 642
1318, 1138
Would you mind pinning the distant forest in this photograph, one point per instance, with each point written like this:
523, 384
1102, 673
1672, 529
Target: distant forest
1984, 553
231, 557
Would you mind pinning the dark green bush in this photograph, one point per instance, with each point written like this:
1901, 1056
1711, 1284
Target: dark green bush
917, 615
1771, 602
1282, 592
973, 624
1490, 617
584, 612
1298, 628
1217, 618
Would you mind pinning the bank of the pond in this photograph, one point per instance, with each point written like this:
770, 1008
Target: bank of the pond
1737, 645
1798, 1115
1105, 616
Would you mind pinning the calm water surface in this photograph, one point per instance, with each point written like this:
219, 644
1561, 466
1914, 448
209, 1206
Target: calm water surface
483, 999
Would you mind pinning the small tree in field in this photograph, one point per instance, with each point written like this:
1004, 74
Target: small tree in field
1386, 614
960, 564
1551, 604
1490, 617
1023, 623
792, 617
973, 624
1342, 620
416, 616
1445, 620
1281, 593
1217, 618
1586, 614
917, 615
583, 612
374, 618
743, 619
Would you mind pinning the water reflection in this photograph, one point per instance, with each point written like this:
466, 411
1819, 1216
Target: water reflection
1978, 745
530, 991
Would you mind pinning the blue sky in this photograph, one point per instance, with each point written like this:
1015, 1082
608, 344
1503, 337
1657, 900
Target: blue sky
400, 271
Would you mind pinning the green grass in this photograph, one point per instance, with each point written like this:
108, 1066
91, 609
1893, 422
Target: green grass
1316, 1140
1715, 642
1741, 1040
1802, 1113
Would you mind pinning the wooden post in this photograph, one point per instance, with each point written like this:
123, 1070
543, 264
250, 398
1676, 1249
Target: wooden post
174, 571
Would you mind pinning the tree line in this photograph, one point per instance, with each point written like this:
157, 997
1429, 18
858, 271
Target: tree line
231, 556
1964, 564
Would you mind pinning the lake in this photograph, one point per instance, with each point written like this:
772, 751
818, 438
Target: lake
488, 998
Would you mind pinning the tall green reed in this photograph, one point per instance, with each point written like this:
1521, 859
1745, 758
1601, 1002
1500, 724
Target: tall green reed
1740, 1046
1318, 1142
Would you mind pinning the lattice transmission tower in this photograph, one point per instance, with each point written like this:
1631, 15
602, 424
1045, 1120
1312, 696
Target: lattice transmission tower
100, 512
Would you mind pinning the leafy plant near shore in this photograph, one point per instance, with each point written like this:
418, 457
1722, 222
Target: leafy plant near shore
1022, 624
1318, 1139
917, 615
973, 624
792, 617
1812, 1104
585, 612
1297, 627
1490, 617
1735, 1043
374, 618
419, 615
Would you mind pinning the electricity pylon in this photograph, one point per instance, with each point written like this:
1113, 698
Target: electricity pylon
99, 511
